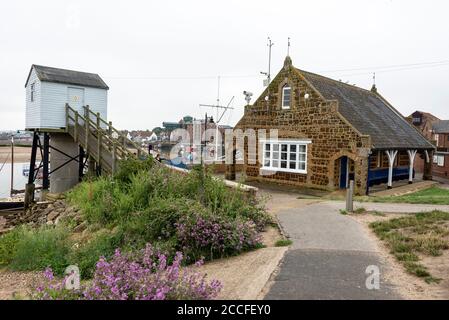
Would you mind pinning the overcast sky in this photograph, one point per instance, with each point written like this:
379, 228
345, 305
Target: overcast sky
161, 59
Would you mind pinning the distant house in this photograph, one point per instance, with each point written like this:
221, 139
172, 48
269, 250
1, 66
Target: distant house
330, 132
437, 131
153, 137
441, 157
423, 121
49, 89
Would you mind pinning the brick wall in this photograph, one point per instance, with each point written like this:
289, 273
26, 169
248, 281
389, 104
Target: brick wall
315, 119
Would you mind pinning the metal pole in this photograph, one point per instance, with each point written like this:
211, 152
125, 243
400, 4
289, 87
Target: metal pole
45, 181
216, 121
29, 188
349, 195
12, 165
203, 142
270, 44
80, 164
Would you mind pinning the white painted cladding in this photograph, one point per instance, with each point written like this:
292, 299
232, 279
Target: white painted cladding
48, 109
33, 109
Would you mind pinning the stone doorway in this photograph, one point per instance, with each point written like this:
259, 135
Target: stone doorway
345, 171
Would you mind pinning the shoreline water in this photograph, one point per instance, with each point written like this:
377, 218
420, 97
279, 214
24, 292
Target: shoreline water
21, 154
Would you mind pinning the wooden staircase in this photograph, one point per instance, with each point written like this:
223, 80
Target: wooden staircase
100, 140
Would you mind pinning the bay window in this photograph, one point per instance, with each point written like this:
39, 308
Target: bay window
288, 156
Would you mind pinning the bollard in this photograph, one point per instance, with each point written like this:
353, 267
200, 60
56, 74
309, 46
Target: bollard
29, 195
349, 194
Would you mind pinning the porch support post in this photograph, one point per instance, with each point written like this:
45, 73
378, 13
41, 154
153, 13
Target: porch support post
391, 156
411, 157
427, 173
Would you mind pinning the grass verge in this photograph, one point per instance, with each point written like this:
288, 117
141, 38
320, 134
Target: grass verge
283, 243
424, 233
432, 195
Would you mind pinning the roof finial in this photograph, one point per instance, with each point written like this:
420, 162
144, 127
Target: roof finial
374, 88
288, 47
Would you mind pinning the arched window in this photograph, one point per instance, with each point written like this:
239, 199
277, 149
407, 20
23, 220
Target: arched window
286, 96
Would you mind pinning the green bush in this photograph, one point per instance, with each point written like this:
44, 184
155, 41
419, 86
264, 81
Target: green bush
157, 222
41, 248
103, 244
95, 199
146, 203
132, 166
8, 244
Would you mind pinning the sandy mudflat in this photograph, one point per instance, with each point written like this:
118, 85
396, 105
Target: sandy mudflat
21, 154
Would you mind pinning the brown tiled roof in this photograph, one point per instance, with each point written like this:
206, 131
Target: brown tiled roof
370, 114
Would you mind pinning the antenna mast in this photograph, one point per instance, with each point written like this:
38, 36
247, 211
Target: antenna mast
268, 74
217, 119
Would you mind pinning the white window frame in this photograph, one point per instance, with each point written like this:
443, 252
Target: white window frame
32, 91
284, 88
297, 153
440, 160
435, 158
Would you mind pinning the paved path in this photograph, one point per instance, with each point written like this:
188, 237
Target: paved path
328, 258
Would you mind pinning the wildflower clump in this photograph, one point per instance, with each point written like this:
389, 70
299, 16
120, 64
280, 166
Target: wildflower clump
146, 275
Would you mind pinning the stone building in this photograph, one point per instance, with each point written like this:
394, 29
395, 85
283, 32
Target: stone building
329, 133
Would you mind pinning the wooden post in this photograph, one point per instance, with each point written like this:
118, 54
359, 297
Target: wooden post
427, 173
29, 187
349, 197
86, 123
12, 165
411, 156
113, 158
391, 156
99, 138
110, 134
66, 117
75, 128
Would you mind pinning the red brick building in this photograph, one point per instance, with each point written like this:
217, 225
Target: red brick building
441, 157
329, 133
436, 131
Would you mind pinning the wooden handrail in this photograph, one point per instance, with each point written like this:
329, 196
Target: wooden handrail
106, 134
88, 132
111, 128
